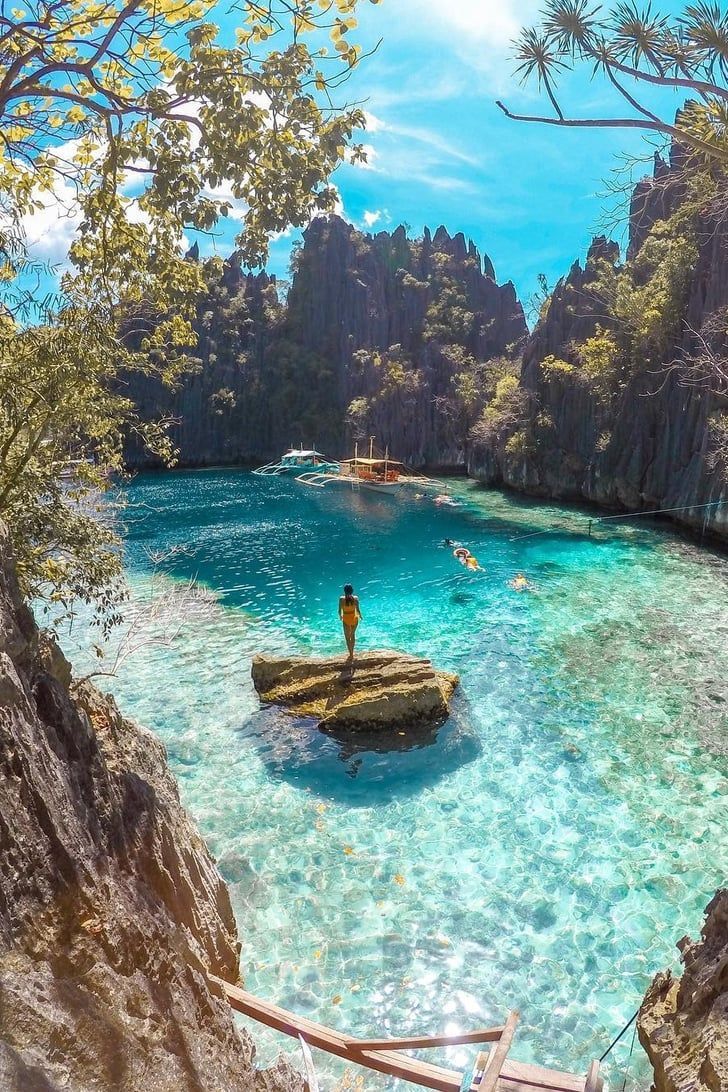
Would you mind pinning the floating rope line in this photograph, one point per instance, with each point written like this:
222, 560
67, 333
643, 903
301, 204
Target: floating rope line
629, 1060
620, 515
534, 534
615, 1041
659, 511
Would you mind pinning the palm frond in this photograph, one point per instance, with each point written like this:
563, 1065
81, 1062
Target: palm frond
705, 27
539, 56
680, 56
708, 121
571, 24
603, 54
638, 35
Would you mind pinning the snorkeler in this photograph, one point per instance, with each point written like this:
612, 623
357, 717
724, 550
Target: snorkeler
466, 559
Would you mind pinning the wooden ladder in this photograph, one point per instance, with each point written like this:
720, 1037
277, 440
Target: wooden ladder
385, 1055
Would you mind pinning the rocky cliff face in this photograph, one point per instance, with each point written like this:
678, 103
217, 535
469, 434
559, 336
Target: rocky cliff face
112, 913
683, 1023
373, 333
386, 336
652, 446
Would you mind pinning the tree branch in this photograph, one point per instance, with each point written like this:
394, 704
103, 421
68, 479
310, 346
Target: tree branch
701, 86
622, 123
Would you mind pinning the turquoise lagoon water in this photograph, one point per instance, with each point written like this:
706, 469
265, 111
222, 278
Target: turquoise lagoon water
544, 851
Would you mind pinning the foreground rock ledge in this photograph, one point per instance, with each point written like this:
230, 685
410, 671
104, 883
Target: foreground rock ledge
683, 1022
112, 912
383, 690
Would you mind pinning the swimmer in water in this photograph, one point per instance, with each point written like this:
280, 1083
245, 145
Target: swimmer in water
520, 583
466, 559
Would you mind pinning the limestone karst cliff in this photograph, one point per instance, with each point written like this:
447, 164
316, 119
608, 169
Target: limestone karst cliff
111, 910
683, 1022
375, 337
648, 441
407, 340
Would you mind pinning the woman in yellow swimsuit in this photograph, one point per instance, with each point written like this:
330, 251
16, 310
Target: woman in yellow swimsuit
350, 616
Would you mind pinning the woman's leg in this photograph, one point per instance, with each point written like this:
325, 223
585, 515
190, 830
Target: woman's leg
349, 638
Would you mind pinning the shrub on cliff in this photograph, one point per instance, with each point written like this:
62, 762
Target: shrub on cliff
646, 297
506, 413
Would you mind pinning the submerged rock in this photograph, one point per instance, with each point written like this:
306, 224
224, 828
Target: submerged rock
683, 1022
383, 689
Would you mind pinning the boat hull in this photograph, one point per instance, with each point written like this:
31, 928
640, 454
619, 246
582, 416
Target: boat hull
294, 471
376, 487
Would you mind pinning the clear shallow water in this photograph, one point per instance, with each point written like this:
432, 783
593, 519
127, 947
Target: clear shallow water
544, 852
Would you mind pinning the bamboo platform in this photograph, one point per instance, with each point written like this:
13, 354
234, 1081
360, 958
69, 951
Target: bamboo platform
493, 1070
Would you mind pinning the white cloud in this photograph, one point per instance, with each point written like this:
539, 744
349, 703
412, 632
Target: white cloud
50, 231
432, 139
285, 234
483, 22
476, 34
372, 218
373, 124
337, 210
408, 89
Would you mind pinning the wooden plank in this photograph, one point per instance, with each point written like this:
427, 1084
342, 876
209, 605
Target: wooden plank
281, 1020
509, 1084
338, 1043
594, 1082
516, 1076
498, 1055
537, 1076
483, 1035
410, 1069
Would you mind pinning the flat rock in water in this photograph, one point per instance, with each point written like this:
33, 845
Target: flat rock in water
382, 690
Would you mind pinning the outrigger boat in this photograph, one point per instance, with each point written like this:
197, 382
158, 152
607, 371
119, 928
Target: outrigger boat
298, 461
381, 475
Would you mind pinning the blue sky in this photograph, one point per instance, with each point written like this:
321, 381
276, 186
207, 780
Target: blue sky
440, 151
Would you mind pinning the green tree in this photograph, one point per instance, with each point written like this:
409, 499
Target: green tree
151, 125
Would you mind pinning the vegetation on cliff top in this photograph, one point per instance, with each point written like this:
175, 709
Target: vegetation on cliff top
639, 308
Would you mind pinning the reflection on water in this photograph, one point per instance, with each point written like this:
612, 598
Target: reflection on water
543, 850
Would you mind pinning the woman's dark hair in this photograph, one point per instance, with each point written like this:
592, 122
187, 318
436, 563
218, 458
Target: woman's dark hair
348, 592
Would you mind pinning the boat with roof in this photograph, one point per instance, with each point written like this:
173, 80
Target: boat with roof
380, 474
299, 460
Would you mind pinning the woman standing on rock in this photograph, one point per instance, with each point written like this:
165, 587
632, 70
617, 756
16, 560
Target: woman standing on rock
350, 616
